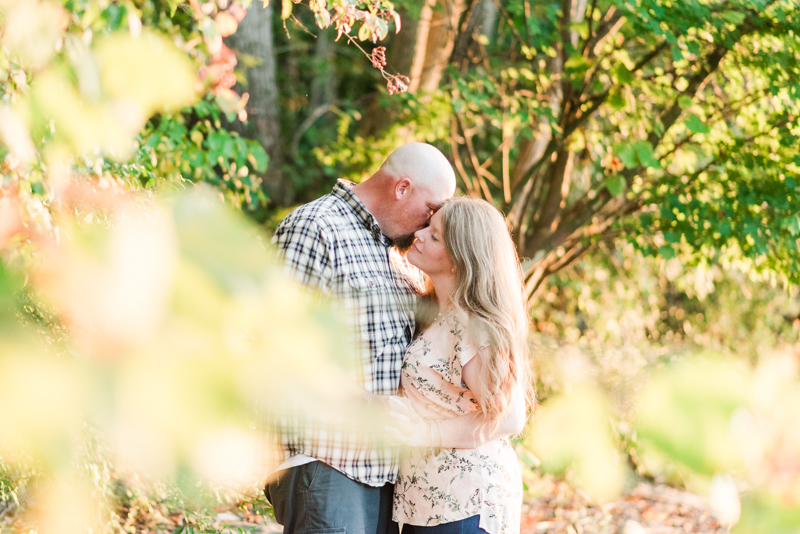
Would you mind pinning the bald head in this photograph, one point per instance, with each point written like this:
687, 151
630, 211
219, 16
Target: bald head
424, 165
410, 186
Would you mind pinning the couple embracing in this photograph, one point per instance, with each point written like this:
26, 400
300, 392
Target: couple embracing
433, 287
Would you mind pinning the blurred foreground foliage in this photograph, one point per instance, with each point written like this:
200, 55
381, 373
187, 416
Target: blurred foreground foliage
686, 374
143, 332
175, 347
141, 340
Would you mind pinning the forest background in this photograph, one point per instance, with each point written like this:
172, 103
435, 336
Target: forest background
644, 152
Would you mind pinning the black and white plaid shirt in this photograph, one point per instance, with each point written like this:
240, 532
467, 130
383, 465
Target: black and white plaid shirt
334, 245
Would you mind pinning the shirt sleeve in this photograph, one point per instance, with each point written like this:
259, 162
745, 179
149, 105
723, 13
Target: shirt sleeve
306, 252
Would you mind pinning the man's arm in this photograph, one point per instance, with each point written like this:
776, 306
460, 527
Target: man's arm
304, 247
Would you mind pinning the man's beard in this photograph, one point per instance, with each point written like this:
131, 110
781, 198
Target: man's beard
403, 242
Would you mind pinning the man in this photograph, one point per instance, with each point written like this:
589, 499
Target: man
348, 245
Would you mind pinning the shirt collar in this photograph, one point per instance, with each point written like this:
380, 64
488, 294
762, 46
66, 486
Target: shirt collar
344, 190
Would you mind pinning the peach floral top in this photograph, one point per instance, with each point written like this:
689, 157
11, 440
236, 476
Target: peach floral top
458, 483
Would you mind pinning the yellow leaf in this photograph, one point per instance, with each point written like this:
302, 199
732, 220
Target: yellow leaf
226, 24
396, 16
32, 29
364, 32
286, 9
149, 70
123, 82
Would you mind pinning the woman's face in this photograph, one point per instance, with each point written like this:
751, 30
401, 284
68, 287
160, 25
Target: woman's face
428, 252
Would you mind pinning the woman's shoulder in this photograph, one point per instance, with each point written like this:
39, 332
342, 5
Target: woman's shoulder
469, 328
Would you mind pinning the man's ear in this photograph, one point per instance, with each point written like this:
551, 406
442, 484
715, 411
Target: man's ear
402, 188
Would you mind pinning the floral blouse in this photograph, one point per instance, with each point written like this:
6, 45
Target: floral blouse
458, 483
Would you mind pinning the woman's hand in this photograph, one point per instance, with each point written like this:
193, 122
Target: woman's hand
404, 426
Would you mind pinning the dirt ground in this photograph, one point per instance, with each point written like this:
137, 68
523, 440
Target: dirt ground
648, 509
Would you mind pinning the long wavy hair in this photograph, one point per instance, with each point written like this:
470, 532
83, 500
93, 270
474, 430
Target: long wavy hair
489, 291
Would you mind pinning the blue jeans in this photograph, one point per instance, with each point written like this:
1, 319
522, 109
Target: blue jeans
315, 498
469, 525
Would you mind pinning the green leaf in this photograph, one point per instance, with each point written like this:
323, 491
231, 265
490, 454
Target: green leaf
677, 55
173, 6
686, 409
615, 185
644, 151
622, 74
577, 62
616, 100
258, 157
627, 155
582, 28
734, 17
666, 252
792, 224
764, 512
695, 125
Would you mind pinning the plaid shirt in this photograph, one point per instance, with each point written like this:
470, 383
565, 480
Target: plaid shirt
334, 245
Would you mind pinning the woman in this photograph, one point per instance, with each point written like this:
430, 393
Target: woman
470, 357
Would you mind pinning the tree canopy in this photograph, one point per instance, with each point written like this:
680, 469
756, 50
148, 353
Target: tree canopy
672, 124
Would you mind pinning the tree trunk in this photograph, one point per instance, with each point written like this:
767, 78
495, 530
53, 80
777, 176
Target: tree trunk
486, 19
444, 25
419, 43
323, 87
548, 181
405, 52
254, 37
421, 51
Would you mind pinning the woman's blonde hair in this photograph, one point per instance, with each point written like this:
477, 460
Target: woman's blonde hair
488, 288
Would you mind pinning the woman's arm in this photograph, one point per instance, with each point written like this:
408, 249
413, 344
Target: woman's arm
463, 432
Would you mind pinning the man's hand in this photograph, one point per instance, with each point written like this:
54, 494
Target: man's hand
404, 426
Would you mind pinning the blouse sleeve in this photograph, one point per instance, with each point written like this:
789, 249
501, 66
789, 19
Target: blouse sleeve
469, 343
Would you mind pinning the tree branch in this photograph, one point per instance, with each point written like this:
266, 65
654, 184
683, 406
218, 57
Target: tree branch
606, 30
510, 21
711, 65
596, 101
457, 158
464, 35
557, 177
589, 22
